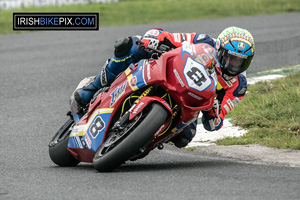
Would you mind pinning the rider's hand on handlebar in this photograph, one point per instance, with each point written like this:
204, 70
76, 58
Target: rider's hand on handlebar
153, 46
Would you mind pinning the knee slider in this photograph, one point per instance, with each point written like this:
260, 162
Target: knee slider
186, 136
123, 46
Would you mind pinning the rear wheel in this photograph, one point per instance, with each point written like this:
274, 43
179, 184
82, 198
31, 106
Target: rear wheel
122, 145
58, 151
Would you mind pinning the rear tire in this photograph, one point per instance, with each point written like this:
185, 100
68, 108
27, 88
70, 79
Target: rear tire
133, 142
58, 151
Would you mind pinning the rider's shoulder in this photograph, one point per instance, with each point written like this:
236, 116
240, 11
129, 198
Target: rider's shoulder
203, 38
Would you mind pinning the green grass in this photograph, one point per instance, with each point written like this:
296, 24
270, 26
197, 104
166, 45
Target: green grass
142, 11
190, 148
270, 112
287, 70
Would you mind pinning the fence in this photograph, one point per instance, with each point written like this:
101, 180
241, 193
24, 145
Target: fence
10, 4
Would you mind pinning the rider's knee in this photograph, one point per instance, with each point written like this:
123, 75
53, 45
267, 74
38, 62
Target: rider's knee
186, 136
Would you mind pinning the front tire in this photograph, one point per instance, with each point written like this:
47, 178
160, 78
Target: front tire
132, 143
58, 151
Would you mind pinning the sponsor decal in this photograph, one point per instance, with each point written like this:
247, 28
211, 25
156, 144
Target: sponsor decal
241, 46
183, 37
75, 131
178, 77
233, 80
78, 141
188, 37
237, 54
236, 101
227, 82
152, 33
207, 55
148, 72
243, 90
137, 108
121, 60
83, 142
88, 140
117, 93
176, 37
133, 81
195, 96
229, 102
160, 130
201, 36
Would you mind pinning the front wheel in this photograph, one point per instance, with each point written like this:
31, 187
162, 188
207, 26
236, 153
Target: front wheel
58, 151
117, 149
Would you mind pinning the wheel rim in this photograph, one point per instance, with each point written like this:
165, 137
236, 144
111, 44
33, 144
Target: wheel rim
115, 138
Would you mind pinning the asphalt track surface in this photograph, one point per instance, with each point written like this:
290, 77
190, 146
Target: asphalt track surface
40, 70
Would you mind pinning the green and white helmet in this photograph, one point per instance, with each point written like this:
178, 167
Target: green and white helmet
234, 50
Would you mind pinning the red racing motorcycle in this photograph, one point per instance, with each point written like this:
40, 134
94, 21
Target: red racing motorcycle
151, 102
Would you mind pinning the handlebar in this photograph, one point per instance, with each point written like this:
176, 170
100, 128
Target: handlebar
162, 48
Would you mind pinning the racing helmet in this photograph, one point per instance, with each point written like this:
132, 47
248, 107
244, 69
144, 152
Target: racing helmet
234, 50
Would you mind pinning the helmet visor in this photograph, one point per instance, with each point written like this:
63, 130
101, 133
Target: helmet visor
233, 63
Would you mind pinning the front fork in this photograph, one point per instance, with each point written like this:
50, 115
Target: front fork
139, 104
119, 125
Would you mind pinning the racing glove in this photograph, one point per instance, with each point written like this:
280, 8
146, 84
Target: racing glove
211, 119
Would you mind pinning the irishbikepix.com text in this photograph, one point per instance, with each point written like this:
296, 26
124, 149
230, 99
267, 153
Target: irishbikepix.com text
56, 21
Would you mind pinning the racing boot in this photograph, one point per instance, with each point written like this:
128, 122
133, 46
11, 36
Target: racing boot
186, 136
84, 94
81, 96
89, 86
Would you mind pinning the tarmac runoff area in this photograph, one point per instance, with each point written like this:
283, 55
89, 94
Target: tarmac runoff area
256, 154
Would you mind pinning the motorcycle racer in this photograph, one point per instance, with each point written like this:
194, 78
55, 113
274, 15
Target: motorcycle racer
233, 52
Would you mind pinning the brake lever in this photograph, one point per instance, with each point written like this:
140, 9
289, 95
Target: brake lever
158, 52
